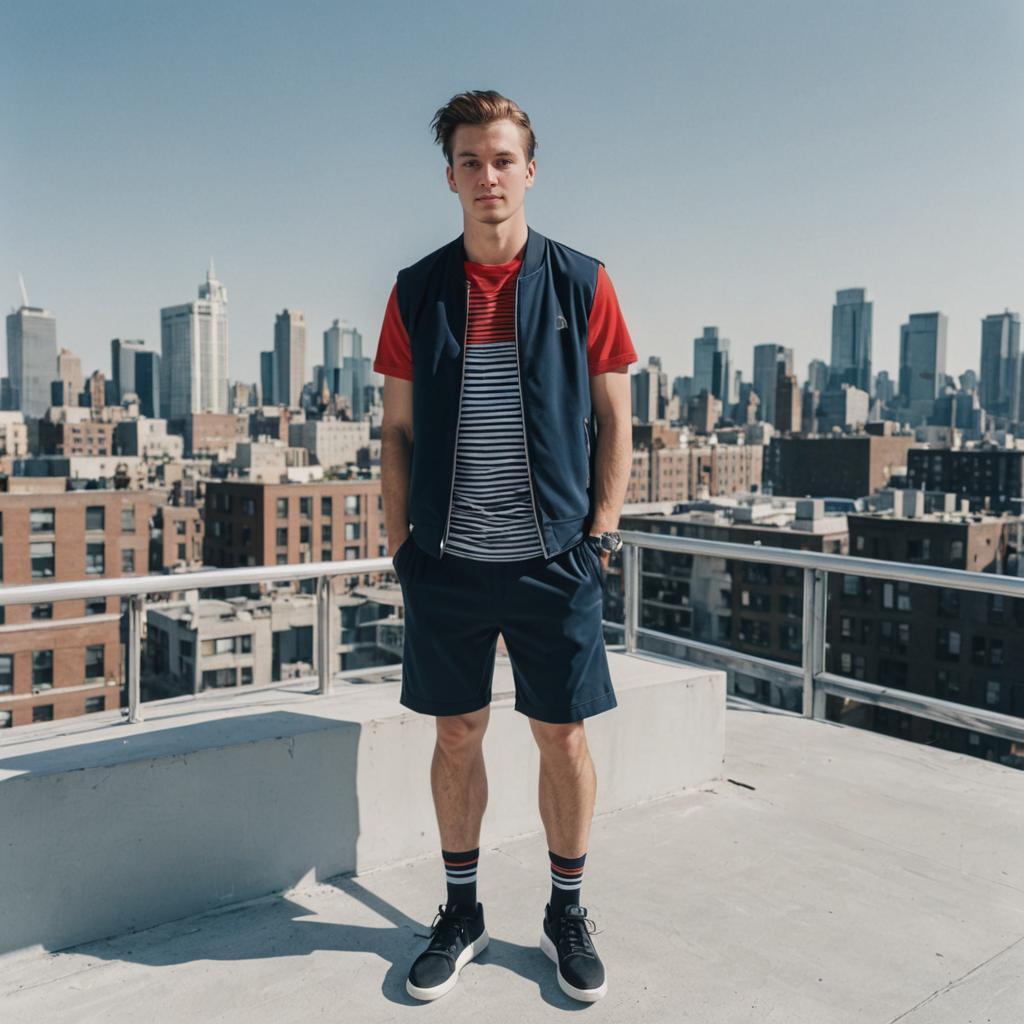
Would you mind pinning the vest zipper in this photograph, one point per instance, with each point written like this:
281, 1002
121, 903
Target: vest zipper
586, 438
522, 414
458, 417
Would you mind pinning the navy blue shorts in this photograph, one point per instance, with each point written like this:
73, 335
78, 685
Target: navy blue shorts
548, 611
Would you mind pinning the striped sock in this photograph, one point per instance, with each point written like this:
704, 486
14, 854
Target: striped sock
566, 881
460, 874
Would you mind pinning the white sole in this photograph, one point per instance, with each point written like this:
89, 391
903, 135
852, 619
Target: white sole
584, 995
469, 953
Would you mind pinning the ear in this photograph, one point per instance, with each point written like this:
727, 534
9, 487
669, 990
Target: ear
531, 173
450, 177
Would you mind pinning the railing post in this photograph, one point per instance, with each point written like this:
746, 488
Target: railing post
325, 647
821, 630
136, 608
630, 594
813, 641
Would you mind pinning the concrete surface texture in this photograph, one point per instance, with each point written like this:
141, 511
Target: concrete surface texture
208, 804
832, 876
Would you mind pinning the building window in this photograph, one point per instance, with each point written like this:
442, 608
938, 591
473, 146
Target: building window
352, 531
41, 554
42, 713
948, 647
282, 558
845, 663
248, 507
325, 533
919, 550
42, 670
6, 719
213, 679
282, 536
325, 507
995, 652
181, 553
96, 606
95, 704
305, 507
127, 518
992, 692
6, 673
179, 527
325, 555
851, 585
94, 661
956, 550
42, 611
846, 627
128, 560
94, 517
789, 637
352, 504
304, 534
282, 508
246, 675
41, 520
94, 558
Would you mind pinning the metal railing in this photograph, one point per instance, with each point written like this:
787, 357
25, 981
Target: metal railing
810, 674
816, 682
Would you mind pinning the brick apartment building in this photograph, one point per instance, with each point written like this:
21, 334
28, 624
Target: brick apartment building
60, 660
990, 478
963, 647
279, 524
682, 473
838, 466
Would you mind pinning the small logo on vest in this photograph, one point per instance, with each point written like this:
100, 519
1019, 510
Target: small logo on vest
560, 323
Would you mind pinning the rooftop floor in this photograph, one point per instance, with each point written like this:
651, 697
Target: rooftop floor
832, 876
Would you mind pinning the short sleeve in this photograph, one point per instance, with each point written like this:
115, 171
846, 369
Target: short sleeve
608, 341
394, 354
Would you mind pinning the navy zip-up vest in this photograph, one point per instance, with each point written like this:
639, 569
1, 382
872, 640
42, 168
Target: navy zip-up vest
554, 295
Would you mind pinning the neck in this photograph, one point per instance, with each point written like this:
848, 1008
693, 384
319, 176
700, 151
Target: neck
494, 243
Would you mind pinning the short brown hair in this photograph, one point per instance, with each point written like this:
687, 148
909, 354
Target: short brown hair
480, 106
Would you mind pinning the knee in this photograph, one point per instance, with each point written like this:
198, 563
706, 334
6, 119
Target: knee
458, 735
568, 741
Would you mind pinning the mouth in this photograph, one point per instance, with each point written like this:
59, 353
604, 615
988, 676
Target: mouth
488, 199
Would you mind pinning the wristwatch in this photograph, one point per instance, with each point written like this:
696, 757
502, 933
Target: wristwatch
610, 540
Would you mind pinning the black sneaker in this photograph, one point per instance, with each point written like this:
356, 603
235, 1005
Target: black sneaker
567, 942
455, 939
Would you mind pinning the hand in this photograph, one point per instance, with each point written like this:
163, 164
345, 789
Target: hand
392, 551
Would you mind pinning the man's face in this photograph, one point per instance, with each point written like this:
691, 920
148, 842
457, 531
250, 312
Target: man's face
489, 160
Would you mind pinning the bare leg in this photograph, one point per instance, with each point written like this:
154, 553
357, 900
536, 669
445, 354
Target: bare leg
567, 786
458, 778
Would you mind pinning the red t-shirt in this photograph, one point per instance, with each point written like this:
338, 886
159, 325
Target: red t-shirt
608, 341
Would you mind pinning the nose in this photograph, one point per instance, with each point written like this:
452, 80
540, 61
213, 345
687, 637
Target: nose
490, 174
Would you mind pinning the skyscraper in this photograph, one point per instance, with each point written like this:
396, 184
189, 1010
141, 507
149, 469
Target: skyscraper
194, 353
31, 358
122, 366
268, 394
817, 374
922, 363
1000, 382
851, 340
770, 360
68, 383
289, 357
708, 374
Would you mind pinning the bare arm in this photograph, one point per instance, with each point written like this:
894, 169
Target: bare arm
613, 456
395, 458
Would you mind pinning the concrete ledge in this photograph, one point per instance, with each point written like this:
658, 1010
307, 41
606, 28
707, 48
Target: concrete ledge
208, 804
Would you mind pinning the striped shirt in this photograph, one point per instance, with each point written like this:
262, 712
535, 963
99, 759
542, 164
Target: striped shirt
492, 515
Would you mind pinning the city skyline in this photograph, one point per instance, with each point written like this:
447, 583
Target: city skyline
771, 187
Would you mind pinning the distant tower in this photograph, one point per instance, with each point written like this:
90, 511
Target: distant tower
194, 353
69, 378
999, 384
289, 357
922, 363
711, 374
31, 357
770, 360
851, 339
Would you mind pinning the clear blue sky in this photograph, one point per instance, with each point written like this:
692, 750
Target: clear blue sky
732, 163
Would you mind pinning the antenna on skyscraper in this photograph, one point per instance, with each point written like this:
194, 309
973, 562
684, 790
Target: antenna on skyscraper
210, 274
24, 294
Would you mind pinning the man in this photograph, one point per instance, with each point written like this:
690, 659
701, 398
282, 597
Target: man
502, 351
